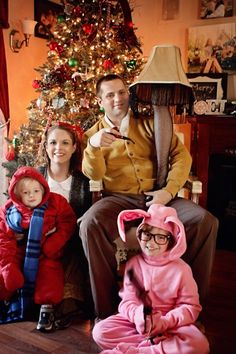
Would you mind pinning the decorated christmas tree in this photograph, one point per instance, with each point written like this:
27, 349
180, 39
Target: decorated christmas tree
91, 38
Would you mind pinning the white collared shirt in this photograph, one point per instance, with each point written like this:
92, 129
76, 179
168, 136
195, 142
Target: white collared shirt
124, 126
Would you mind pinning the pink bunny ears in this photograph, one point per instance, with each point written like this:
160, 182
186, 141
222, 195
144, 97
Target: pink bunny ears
157, 215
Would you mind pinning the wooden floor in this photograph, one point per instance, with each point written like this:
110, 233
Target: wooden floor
219, 319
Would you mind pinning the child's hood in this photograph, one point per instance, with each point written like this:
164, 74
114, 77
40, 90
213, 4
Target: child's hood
29, 172
157, 216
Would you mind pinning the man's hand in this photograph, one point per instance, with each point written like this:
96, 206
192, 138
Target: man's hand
158, 197
104, 137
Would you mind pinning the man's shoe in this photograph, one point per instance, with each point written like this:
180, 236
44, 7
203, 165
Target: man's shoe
46, 318
62, 323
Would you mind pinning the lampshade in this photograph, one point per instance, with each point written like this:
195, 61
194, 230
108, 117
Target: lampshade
28, 26
163, 80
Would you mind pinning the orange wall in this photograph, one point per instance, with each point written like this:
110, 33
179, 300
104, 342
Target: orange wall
20, 66
151, 29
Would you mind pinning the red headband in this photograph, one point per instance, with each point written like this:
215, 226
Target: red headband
75, 128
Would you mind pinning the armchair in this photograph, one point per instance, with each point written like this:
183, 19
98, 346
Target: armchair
191, 190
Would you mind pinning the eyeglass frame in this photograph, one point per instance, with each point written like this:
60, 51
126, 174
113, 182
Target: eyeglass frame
150, 235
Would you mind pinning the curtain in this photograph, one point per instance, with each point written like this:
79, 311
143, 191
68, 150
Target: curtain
4, 99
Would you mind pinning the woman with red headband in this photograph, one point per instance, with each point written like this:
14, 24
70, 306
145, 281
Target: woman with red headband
61, 167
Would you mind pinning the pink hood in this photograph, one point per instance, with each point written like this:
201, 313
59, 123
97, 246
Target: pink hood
158, 216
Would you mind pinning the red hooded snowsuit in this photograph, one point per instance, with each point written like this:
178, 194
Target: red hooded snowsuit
58, 226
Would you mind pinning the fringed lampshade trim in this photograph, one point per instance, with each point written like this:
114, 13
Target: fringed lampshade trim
162, 94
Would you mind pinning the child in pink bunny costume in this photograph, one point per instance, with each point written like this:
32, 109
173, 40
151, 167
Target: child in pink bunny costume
160, 301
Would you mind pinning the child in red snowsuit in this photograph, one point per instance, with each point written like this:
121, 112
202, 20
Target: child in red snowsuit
35, 225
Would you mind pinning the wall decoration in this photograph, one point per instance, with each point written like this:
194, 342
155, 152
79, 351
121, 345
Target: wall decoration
170, 9
215, 106
46, 13
208, 86
214, 42
216, 8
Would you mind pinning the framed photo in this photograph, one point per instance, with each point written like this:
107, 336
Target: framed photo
212, 47
170, 9
216, 8
46, 13
208, 86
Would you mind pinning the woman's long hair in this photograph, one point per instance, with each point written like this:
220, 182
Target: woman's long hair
76, 157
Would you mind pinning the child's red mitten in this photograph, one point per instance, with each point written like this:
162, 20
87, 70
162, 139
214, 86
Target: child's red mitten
12, 276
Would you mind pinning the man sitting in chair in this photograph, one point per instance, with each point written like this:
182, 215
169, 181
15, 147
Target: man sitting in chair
120, 151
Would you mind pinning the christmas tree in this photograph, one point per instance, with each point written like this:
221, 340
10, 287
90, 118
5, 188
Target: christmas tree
91, 38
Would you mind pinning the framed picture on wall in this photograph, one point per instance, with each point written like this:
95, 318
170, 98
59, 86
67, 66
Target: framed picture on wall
216, 8
170, 10
214, 44
46, 13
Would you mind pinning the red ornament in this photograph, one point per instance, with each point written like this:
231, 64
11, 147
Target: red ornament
108, 64
130, 24
53, 45
59, 49
10, 155
77, 10
87, 28
36, 84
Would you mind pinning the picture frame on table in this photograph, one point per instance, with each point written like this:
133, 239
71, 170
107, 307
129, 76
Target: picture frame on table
46, 13
209, 91
216, 8
208, 86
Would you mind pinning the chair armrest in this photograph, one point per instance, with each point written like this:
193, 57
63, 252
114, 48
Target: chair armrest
195, 188
96, 188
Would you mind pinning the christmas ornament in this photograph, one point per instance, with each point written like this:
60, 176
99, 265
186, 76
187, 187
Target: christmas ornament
74, 109
53, 45
10, 155
84, 103
51, 53
58, 102
73, 62
15, 142
36, 84
60, 18
87, 28
131, 64
59, 49
108, 64
77, 11
41, 103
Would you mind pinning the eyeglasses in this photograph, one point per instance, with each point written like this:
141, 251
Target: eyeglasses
158, 238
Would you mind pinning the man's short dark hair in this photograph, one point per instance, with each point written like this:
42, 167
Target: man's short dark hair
106, 78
